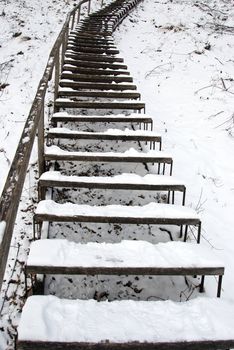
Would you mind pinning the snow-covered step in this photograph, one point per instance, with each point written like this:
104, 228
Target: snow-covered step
91, 64
104, 33
74, 38
78, 42
71, 93
94, 57
48, 322
78, 38
110, 134
96, 86
152, 213
87, 49
59, 256
95, 71
112, 118
129, 105
74, 34
96, 78
89, 46
149, 182
129, 156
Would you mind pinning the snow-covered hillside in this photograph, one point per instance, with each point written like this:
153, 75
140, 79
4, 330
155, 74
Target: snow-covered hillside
28, 30
181, 56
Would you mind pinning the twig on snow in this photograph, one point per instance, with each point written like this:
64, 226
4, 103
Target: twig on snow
203, 88
224, 86
215, 115
155, 68
229, 120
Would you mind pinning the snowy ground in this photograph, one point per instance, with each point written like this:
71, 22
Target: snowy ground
180, 54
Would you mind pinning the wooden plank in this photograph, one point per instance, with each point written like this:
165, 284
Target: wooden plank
100, 105
91, 39
103, 158
83, 43
96, 78
114, 186
96, 28
116, 219
192, 345
152, 271
95, 32
124, 258
94, 71
91, 64
217, 335
76, 31
102, 136
100, 94
99, 119
94, 58
96, 86
85, 49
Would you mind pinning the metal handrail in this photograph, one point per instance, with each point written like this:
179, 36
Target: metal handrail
11, 194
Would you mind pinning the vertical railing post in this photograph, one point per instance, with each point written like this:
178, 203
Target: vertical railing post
56, 78
78, 15
63, 47
41, 139
102, 3
89, 6
73, 21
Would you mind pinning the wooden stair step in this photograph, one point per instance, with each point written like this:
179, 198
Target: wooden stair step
96, 27
85, 49
78, 43
126, 324
98, 36
91, 64
96, 78
103, 33
94, 71
127, 257
110, 134
93, 58
95, 23
96, 86
92, 21
129, 156
149, 182
152, 213
98, 94
116, 118
124, 258
65, 103
90, 39
104, 29
54, 153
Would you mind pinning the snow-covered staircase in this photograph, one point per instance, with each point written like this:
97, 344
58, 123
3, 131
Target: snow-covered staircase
97, 143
